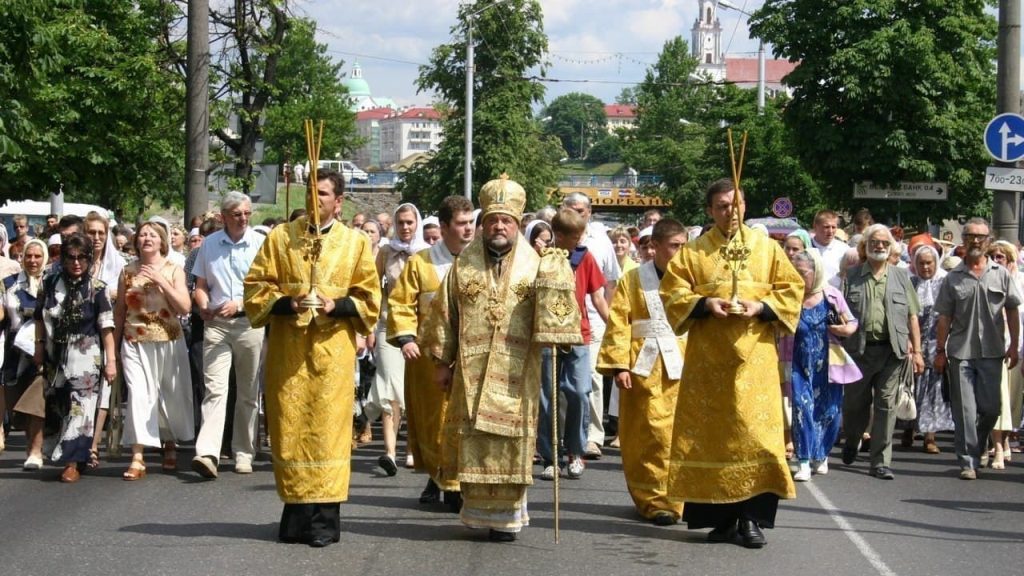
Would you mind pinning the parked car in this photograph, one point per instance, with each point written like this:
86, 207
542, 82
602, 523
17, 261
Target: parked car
349, 171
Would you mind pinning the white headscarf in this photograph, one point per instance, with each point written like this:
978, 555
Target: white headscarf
4, 241
417, 243
33, 282
927, 290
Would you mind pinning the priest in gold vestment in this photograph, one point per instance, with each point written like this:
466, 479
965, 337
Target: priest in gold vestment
409, 305
310, 363
728, 459
644, 356
499, 305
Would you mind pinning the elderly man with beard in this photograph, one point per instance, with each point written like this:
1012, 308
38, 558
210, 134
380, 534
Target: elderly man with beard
885, 305
970, 329
499, 305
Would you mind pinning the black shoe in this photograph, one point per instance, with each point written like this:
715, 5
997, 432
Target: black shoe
725, 533
883, 472
751, 534
499, 536
453, 500
321, 541
664, 519
849, 454
388, 464
431, 494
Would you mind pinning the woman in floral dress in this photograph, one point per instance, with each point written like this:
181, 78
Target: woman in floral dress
933, 413
75, 342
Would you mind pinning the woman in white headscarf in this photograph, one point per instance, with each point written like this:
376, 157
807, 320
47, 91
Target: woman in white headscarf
933, 413
8, 267
107, 263
19, 305
387, 396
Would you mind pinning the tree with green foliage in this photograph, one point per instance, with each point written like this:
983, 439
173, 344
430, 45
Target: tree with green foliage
889, 91
89, 101
509, 41
308, 86
673, 127
608, 149
626, 96
682, 135
577, 120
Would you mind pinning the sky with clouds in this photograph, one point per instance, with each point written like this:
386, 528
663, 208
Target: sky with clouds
609, 43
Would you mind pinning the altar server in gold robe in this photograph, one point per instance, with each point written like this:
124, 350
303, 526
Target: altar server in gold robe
311, 356
409, 306
728, 458
645, 357
499, 305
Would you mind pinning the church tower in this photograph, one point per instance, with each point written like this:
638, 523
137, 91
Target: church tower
706, 41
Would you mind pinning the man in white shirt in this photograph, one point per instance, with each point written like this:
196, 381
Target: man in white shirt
220, 267
600, 247
832, 250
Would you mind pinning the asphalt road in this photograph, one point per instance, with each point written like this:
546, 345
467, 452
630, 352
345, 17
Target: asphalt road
926, 522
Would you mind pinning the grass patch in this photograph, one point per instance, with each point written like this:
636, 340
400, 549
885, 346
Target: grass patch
581, 167
261, 212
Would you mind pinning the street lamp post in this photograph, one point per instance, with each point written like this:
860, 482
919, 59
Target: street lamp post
760, 56
467, 180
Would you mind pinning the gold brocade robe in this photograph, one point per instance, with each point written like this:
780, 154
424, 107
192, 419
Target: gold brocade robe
310, 362
425, 404
728, 434
491, 329
647, 410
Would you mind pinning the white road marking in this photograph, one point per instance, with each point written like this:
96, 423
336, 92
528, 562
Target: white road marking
865, 549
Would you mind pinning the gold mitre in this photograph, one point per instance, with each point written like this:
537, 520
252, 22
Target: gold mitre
503, 196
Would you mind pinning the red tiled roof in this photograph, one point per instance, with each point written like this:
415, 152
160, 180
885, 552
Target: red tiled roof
420, 113
744, 70
620, 110
374, 114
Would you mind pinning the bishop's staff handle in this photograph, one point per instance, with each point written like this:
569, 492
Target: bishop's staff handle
554, 428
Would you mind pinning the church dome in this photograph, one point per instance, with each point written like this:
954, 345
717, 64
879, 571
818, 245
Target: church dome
356, 85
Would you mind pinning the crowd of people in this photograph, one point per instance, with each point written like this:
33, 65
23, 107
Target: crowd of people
721, 380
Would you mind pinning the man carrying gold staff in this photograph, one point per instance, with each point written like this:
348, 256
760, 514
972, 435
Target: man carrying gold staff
728, 460
311, 357
409, 305
646, 359
499, 305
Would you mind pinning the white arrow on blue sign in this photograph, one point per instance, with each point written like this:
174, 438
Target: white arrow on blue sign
1004, 137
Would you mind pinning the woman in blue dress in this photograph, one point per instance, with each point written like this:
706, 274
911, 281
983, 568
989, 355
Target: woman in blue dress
817, 402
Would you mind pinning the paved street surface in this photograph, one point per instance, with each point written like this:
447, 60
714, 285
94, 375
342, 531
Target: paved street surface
926, 522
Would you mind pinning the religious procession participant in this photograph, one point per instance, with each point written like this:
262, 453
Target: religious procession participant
499, 305
409, 307
728, 458
387, 396
311, 359
646, 359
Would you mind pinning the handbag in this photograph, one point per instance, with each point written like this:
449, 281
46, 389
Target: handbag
906, 406
841, 367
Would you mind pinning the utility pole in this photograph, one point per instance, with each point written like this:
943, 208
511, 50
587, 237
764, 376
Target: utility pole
197, 111
1005, 216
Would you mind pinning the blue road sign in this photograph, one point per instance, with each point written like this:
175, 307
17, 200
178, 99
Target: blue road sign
1004, 137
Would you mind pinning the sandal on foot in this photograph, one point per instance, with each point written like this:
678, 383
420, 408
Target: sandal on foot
94, 460
135, 471
170, 461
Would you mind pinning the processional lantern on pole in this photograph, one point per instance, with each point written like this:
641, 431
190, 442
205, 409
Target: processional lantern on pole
736, 252
314, 238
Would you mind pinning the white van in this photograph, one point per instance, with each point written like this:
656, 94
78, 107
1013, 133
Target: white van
38, 211
349, 171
